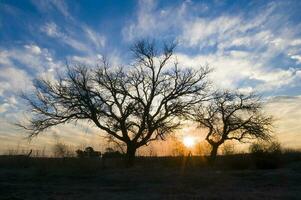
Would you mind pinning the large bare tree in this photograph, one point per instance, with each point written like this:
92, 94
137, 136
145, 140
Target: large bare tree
232, 116
134, 105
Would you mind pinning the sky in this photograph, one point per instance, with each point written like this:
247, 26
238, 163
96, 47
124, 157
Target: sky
251, 46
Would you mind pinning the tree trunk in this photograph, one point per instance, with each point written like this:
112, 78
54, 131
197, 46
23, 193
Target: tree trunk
213, 153
130, 155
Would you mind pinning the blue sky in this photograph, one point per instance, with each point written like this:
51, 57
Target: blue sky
251, 45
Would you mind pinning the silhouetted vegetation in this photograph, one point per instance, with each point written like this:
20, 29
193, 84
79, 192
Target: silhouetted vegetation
89, 152
232, 116
61, 150
134, 105
159, 177
266, 155
111, 153
222, 162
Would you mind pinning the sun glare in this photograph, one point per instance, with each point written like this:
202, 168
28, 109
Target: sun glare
188, 141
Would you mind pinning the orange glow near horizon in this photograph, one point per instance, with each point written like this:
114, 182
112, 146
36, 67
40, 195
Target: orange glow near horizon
189, 141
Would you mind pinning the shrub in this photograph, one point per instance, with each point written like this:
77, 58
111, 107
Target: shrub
266, 155
111, 153
61, 150
89, 152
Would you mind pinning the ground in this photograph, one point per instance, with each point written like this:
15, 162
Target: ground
150, 182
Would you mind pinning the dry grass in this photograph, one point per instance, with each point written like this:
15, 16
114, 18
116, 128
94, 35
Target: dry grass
151, 178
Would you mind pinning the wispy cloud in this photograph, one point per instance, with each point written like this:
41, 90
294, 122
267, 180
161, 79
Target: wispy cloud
153, 22
52, 30
241, 49
70, 31
51, 5
97, 39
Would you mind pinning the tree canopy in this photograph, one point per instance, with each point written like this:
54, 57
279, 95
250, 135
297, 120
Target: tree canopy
232, 116
133, 104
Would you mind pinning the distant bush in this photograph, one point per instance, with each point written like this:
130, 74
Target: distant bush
111, 153
89, 152
61, 150
273, 147
266, 155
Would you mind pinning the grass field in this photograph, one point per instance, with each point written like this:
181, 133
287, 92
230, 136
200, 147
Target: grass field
233, 177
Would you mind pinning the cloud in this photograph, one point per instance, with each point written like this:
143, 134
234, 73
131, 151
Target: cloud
297, 58
4, 58
85, 39
241, 49
96, 38
145, 21
34, 49
227, 30
3, 107
87, 60
236, 70
62, 7
92, 60
227, 72
52, 30
9, 102
287, 114
20, 65
153, 22
277, 78
53, 5
202, 30
70, 31
14, 80
28, 56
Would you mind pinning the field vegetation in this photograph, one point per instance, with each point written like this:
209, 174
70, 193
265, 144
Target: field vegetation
267, 172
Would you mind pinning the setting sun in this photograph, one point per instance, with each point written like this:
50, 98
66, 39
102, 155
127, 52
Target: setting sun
188, 141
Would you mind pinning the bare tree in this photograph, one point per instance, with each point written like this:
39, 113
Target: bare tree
134, 105
232, 116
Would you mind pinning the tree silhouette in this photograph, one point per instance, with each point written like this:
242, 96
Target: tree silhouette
133, 105
232, 116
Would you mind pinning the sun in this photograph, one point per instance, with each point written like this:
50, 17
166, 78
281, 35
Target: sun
188, 141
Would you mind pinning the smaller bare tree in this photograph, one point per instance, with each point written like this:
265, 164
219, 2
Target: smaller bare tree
232, 116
